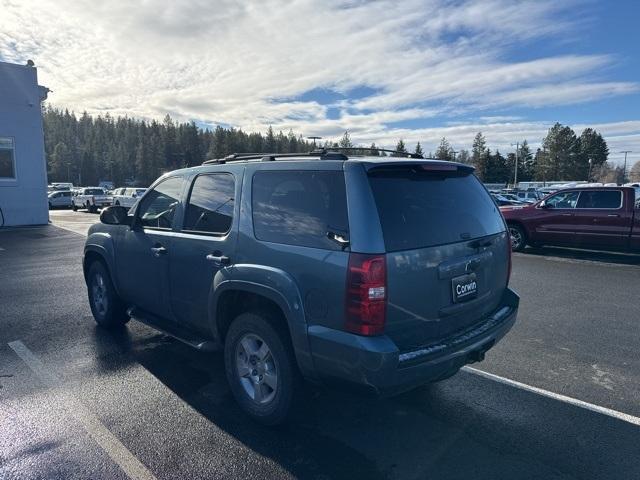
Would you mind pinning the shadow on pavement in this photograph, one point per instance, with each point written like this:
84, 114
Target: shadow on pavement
588, 255
465, 427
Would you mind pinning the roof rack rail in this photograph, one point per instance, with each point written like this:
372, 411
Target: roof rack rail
270, 157
323, 153
367, 149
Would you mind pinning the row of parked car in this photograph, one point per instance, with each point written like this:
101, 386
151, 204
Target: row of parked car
93, 198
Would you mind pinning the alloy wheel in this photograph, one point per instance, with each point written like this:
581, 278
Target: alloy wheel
99, 294
256, 369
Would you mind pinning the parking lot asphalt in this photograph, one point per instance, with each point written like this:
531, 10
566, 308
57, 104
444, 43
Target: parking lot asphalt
80, 402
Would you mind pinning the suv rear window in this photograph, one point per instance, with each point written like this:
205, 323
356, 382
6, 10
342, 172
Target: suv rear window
425, 208
300, 208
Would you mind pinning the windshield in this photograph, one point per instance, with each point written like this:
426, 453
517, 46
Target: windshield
94, 191
425, 208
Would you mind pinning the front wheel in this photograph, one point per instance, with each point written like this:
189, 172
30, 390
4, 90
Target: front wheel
518, 238
74, 207
108, 309
260, 368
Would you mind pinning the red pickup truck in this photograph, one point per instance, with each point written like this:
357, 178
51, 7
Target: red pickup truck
599, 218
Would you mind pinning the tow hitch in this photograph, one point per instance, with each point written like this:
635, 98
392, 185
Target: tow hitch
479, 354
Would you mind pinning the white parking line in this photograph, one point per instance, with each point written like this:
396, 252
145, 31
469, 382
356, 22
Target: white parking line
625, 417
94, 427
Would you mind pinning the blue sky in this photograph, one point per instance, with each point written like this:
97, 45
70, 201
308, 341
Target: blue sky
383, 70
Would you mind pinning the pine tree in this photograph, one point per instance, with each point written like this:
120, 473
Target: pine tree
562, 147
345, 141
463, 156
418, 150
444, 150
591, 146
478, 157
400, 149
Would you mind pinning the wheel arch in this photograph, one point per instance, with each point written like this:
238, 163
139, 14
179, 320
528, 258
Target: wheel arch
98, 253
230, 298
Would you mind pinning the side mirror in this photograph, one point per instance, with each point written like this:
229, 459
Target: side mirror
545, 205
116, 215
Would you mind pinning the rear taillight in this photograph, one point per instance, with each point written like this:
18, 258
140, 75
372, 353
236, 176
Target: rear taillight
366, 297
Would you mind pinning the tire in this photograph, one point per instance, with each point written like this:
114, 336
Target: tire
518, 238
50, 206
108, 309
74, 207
249, 367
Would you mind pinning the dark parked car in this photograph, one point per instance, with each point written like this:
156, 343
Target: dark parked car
602, 218
381, 273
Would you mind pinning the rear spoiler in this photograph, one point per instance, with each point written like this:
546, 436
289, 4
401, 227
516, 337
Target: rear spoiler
424, 165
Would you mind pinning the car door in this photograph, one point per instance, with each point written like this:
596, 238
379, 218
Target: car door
554, 223
600, 220
144, 250
205, 244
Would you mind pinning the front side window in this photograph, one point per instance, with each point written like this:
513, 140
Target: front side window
159, 207
563, 200
610, 199
210, 207
303, 208
7, 158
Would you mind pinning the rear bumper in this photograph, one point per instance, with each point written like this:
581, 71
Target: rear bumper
376, 364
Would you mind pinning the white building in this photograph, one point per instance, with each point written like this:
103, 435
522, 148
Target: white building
23, 171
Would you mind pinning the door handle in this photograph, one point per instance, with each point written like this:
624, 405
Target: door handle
567, 214
159, 250
218, 260
613, 215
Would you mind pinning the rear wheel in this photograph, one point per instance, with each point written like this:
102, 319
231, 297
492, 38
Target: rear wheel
108, 309
518, 238
260, 368
74, 207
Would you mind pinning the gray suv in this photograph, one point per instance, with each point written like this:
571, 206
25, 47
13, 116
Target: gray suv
385, 273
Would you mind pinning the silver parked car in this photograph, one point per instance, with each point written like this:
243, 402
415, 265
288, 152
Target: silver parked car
60, 199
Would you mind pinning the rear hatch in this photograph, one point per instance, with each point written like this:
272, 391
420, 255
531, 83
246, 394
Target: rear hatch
447, 250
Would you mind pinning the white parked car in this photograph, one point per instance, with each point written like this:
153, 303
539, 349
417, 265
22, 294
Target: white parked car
91, 198
61, 198
127, 197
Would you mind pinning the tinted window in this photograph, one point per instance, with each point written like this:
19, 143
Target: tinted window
600, 199
426, 208
563, 200
94, 191
210, 207
300, 208
158, 208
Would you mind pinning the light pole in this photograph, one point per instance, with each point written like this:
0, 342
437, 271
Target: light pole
589, 174
515, 177
624, 175
454, 154
314, 140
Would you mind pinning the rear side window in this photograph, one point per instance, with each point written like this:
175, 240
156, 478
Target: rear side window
210, 207
611, 199
94, 191
300, 208
420, 209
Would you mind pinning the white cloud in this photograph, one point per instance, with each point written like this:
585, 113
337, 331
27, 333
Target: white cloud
225, 61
